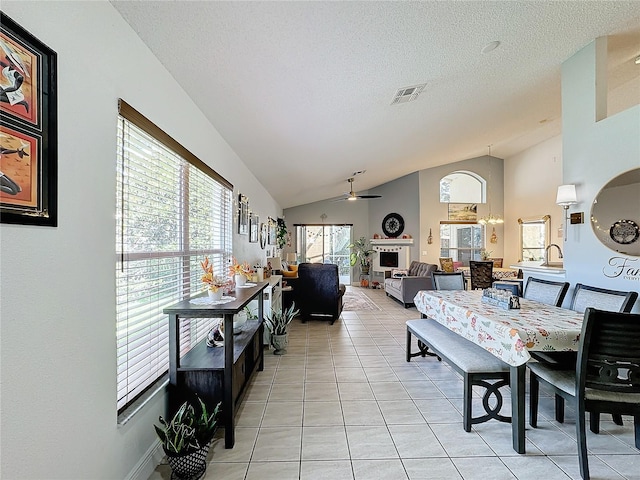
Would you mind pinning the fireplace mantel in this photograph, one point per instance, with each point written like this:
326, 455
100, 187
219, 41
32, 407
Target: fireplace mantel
391, 241
397, 249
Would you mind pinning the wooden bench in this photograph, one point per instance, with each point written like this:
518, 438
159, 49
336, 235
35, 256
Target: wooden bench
474, 363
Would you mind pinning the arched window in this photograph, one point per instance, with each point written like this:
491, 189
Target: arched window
463, 187
462, 240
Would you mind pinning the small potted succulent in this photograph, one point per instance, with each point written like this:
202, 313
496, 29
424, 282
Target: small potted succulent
186, 439
278, 325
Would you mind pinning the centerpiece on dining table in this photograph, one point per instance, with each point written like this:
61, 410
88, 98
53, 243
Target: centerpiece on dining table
241, 272
501, 298
215, 284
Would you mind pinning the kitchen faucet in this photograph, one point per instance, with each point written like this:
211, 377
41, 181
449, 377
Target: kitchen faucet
546, 253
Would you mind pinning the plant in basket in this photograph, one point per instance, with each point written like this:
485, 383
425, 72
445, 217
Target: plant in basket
186, 439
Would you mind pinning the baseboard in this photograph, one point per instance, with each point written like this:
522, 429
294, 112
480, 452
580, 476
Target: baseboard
148, 463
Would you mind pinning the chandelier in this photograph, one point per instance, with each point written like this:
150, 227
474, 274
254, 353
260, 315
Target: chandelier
490, 220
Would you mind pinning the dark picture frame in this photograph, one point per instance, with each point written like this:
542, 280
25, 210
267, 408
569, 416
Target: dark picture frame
272, 231
28, 128
254, 227
243, 215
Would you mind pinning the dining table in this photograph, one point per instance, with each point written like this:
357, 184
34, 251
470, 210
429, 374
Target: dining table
508, 334
498, 273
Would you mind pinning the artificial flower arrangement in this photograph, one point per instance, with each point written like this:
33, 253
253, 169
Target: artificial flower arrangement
213, 281
240, 268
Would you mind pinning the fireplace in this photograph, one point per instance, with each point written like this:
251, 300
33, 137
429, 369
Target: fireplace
388, 259
391, 253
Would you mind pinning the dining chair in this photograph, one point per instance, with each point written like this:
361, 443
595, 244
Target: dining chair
446, 264
545, 291
481, 274
585, 296
606, 378
448, 281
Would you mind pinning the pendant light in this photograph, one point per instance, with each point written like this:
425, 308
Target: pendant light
490, 219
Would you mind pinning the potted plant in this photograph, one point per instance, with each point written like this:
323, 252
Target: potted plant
278, 325
214, 283
241, 272
281, 233
186, 439
361, 253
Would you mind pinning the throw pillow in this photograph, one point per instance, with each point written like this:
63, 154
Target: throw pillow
446, 264
398, 273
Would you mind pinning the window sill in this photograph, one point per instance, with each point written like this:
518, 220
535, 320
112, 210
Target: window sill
129, 412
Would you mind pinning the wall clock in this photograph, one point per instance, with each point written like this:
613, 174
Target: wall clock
393, 225
624, 232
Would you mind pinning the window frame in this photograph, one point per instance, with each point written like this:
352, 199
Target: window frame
210, 196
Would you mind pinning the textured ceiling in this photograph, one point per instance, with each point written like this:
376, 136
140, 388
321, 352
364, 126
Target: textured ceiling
302, 91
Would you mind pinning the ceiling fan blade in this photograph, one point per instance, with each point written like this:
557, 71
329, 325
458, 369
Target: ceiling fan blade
369, 196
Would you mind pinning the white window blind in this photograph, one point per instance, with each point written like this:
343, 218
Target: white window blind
170, 214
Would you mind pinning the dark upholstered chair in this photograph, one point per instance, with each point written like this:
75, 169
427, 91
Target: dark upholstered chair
545, 291
606, 378
585, 296
481, 274
448, 281
318, 291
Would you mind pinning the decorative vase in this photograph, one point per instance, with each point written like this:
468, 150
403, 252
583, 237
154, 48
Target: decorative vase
239, 319
192, 465
240, 279
280, 343
217, 295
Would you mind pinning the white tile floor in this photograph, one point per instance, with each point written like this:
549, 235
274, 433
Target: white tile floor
344, 404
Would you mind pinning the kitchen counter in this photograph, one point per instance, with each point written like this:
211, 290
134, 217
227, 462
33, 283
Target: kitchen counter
554, 268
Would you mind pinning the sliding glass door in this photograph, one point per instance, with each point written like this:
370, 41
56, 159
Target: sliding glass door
326, 244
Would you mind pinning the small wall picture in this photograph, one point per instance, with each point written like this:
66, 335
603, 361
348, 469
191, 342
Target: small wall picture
254, 227
272, 231
243, 215
463, 212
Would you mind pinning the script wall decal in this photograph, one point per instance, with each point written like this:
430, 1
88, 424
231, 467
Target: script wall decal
622, 267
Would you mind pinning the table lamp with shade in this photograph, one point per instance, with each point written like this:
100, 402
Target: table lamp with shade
292, 258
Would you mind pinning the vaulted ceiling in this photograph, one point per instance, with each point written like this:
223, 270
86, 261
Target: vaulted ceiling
302, 91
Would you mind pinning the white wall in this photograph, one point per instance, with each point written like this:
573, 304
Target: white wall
58, 356
532, 174
432, 211
593, 153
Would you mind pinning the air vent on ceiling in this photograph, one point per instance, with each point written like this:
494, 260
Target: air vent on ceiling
407, 94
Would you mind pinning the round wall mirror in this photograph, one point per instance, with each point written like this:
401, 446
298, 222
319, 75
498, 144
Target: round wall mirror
615, 216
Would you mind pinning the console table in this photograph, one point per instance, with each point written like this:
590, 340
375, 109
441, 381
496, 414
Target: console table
218, 374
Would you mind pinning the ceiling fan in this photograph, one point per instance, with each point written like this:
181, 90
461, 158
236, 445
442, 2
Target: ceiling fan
352, 195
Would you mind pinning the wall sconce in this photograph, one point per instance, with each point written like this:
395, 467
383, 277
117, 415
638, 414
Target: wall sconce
566, 197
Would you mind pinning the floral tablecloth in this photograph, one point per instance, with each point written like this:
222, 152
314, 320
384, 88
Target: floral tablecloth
498, 273
508, 334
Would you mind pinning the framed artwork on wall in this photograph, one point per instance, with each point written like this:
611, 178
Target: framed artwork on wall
243, 215
28, 128
263, 235
272, 231
254, 226
463, 212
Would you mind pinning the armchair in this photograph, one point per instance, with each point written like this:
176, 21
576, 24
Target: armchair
318, 291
